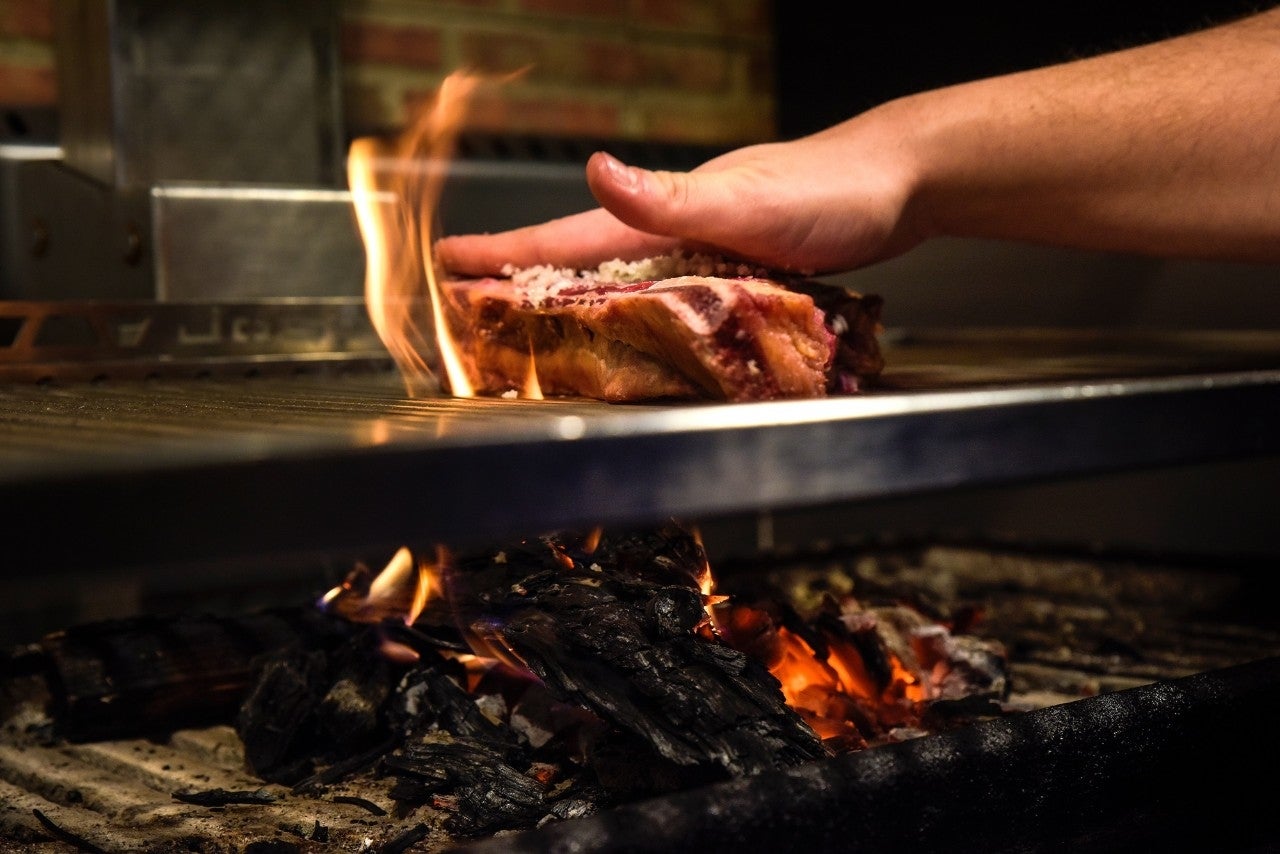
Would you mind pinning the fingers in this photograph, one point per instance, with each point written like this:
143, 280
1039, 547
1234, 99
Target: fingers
579, 241
703, 206
643, 213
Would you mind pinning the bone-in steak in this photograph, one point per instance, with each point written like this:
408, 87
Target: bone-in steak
683, 337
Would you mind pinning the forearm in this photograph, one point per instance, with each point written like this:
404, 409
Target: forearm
1170, 148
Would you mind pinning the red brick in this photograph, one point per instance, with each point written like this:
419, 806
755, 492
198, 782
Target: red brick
749, 18
610, 63
725, 126
752, 18
608, 9
27, 86
684, 68
385, 44
703, 16
560, 117
503, 52
32, 19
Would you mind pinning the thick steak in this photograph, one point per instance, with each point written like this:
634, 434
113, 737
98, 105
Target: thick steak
688, 337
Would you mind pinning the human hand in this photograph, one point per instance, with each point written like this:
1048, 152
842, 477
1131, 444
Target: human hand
832, 201
1164, 149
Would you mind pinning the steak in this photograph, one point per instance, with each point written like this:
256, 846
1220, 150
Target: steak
687, 337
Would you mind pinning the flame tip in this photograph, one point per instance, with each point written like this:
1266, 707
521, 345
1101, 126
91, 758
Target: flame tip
398, 235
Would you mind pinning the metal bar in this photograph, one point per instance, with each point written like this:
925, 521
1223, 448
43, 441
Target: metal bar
189, 472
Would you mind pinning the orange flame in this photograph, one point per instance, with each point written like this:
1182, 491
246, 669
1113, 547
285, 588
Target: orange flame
836, 691
532, 388
400, 591
395, 204
799, 670
707, 584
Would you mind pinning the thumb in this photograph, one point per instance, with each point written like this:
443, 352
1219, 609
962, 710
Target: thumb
701, 207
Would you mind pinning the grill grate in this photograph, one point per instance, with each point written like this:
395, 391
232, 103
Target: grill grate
344, 462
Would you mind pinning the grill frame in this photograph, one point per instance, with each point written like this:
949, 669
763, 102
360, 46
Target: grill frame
210, 470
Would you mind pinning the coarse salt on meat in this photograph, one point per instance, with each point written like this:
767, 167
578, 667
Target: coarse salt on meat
542, 282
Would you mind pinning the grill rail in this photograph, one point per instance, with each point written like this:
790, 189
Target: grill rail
181, 470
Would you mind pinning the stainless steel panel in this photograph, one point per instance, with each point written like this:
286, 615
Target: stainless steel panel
173, 472
225, 90
244, 242
68, 236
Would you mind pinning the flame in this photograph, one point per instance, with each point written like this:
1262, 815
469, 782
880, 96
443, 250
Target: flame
799, 670
822, 674
532, 388
428, 578
833, 690
393, 576
400, 591
706, 585
395, 206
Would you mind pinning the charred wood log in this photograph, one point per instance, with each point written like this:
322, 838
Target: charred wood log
430, 699
487, 774
224, 797
616, 629
150, 675
1143, 769
477, 785
315, 705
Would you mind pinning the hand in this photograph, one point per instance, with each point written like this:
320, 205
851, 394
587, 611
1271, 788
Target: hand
828, 202
1166, 149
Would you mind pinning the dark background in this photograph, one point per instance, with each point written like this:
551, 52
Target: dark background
834, 62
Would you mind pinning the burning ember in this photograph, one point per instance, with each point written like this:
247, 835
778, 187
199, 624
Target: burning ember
855, 675
633, 672
396, 188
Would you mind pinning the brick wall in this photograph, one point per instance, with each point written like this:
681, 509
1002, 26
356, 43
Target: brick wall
682, 71
26, 53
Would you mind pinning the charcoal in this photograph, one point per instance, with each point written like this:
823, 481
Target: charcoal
773, 608
567, 808
223, 797
405, 841
345, 767
947, 715
77, 842
311, 706
616, 631
866, 635
1144, 769
625, 768
277, 720
363, 803
430, 699
351, 714
974, 667
545, 722
488, 794
149, 675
